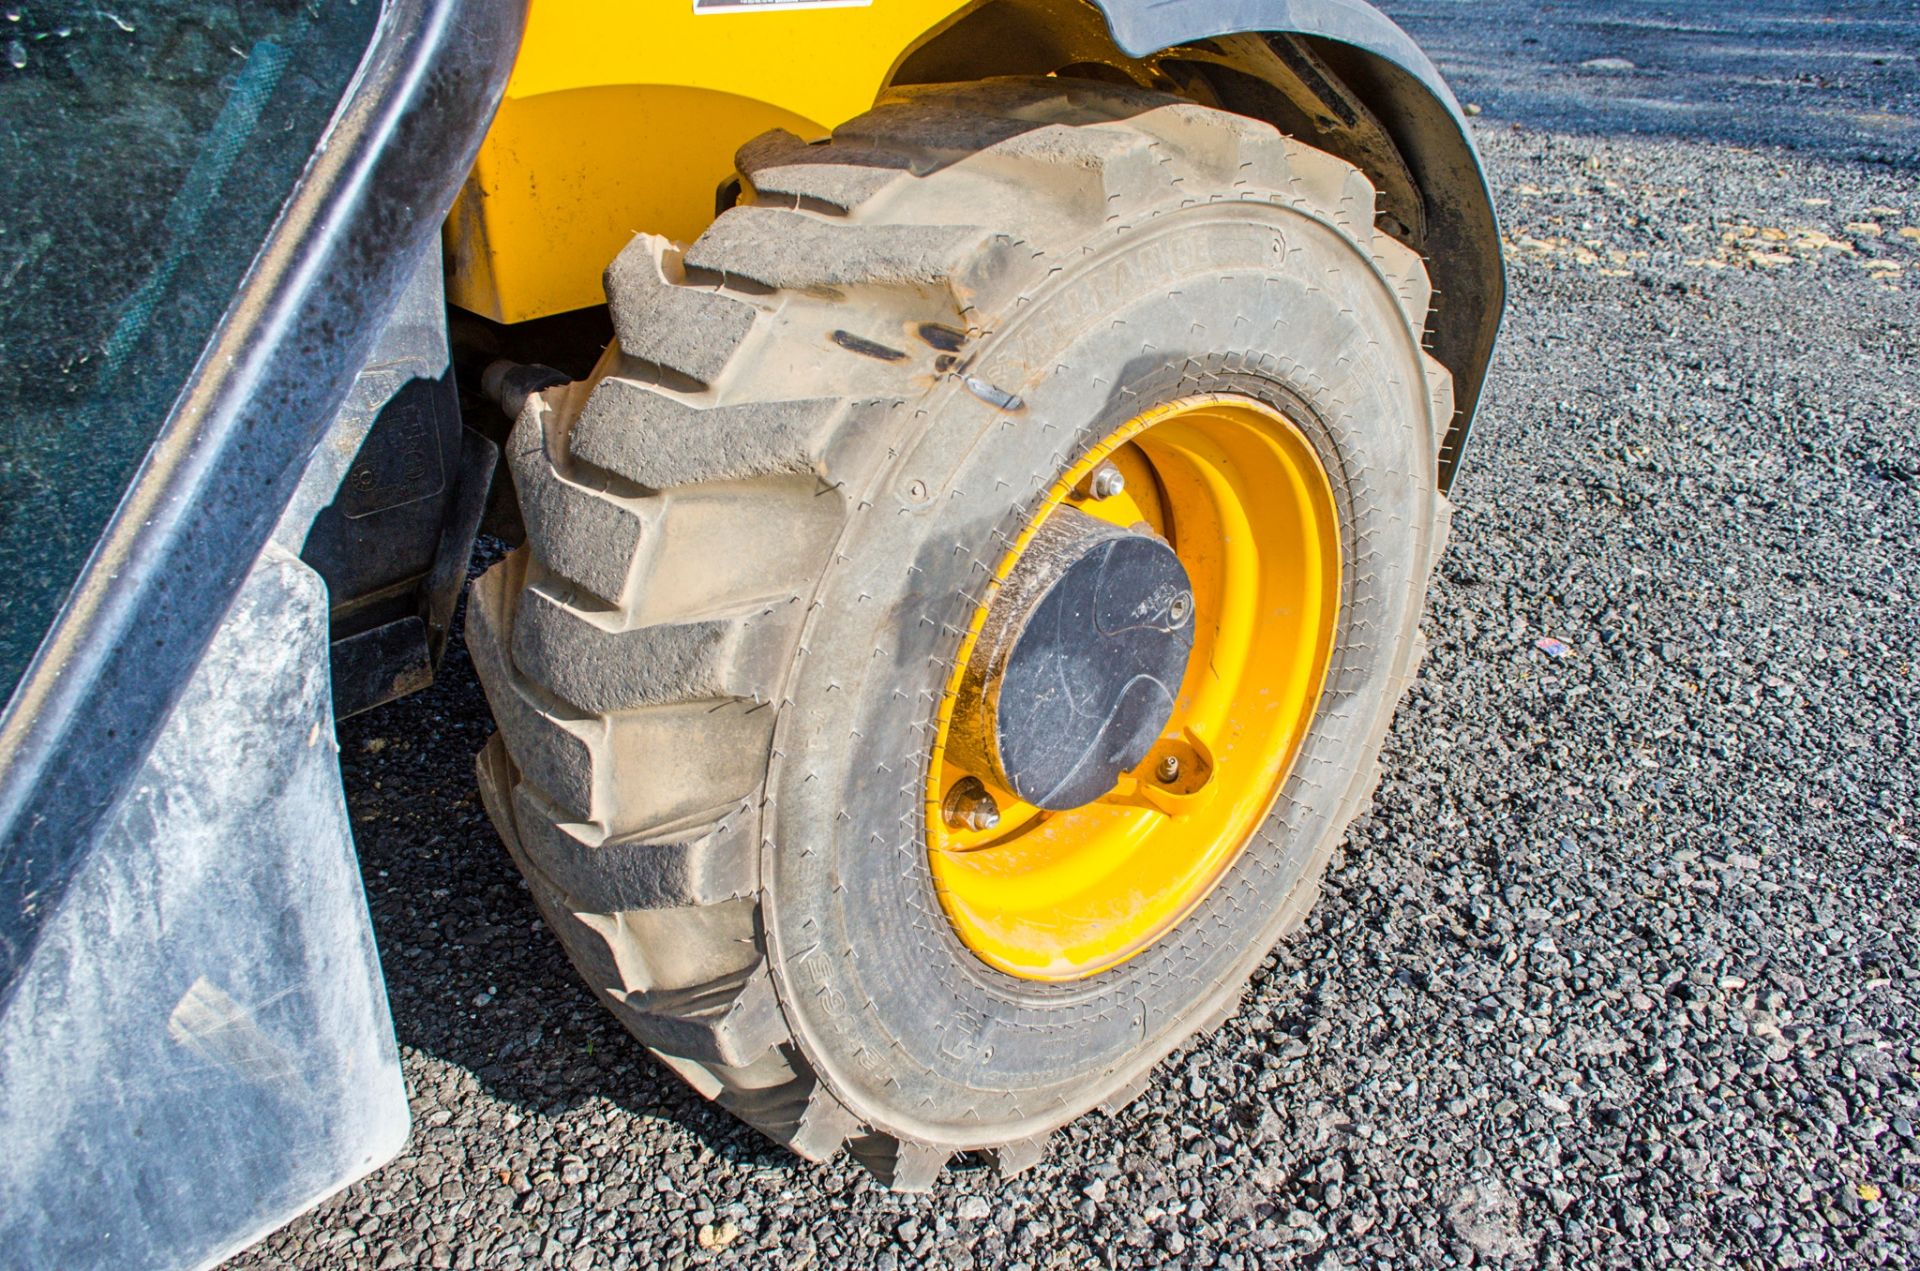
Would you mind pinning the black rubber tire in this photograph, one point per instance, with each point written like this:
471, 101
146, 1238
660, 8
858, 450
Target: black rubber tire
756, 532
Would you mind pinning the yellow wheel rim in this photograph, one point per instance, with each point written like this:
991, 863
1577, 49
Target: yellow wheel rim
1238, 491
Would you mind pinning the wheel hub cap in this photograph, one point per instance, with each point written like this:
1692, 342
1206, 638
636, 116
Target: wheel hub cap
1075, 672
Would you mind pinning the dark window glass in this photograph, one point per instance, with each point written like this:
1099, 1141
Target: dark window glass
146, 147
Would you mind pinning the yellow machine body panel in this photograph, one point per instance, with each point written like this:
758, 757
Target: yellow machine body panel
622, 116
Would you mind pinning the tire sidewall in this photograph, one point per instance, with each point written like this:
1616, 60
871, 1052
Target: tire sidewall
916, 1035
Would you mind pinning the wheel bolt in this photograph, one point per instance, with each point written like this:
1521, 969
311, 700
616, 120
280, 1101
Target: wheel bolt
1168, 770
1106, 482
968, 806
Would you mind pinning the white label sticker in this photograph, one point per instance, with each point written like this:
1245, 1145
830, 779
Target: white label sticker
748, 6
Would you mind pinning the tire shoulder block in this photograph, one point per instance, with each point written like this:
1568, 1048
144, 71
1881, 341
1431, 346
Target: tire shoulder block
657, 440
790, 250
659, 319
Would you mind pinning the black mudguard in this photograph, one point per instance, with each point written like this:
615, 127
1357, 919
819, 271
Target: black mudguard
1400, 85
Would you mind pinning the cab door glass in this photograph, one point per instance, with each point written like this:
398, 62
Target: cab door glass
146, 149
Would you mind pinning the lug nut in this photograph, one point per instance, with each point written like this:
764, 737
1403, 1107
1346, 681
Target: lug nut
1105, 482
1168, 770
968, 806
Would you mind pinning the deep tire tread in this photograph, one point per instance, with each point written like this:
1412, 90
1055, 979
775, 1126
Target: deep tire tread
631, 652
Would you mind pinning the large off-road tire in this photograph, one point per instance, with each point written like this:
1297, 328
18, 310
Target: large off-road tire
756, 535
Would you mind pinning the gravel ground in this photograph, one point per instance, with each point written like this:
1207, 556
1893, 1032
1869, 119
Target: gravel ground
1621, 970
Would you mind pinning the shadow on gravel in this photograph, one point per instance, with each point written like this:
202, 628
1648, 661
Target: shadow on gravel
474, 976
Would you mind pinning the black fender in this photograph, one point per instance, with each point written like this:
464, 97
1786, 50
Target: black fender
1382, 65
1371, 96
1336, 73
